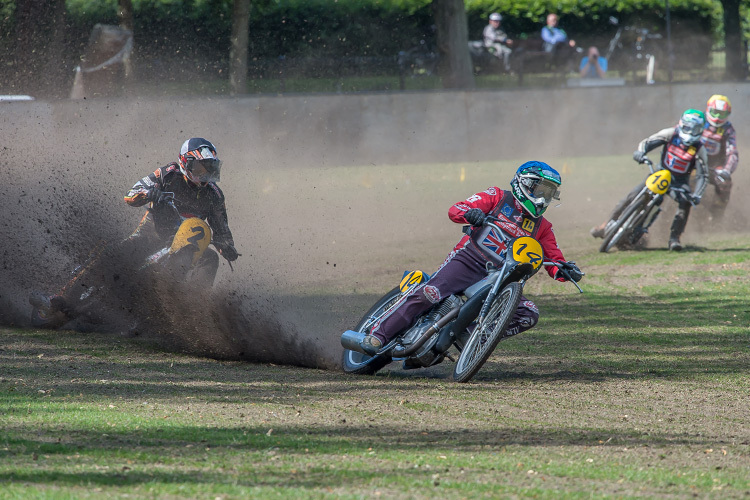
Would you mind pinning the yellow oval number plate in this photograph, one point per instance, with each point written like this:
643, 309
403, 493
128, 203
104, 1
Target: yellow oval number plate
528, 251
659, 181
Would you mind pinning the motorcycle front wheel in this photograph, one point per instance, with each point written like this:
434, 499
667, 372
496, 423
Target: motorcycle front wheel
625, 224
358, 363
486, 335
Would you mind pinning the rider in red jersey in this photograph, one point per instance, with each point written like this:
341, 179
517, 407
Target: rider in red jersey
519, 213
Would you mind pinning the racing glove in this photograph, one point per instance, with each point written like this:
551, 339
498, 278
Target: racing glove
569, 272
639, 155
475, 217
227, 251
722, 175
154, 194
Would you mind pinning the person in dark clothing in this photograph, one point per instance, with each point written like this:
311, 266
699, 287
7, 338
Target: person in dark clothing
191, 184
181, 190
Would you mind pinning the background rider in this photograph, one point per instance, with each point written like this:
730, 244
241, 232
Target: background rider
682, 153
720, 141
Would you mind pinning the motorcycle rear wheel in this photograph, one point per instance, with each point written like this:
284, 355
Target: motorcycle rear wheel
49, 320
358, 363
625, 224
486, 336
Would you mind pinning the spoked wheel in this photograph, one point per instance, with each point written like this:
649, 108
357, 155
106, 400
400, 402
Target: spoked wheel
362, 364
625, 224
485, 337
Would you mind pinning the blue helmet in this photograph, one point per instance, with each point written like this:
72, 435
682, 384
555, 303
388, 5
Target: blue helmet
535, 185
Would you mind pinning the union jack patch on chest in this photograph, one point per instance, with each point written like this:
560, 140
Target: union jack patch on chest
493, 242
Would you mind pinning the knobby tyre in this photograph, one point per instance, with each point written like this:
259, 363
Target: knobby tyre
625, 223
485, 337
361, 364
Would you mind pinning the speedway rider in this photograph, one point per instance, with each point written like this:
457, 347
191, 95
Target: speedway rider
192, 180
682, 153
720, 141
519, 213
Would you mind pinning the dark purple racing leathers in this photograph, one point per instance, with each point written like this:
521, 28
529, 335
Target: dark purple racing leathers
465, 265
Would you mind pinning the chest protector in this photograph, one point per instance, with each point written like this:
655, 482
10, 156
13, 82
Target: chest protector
513, 220
712, 139
677, 157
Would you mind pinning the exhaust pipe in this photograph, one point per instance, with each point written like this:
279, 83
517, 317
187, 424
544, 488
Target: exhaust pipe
353, 341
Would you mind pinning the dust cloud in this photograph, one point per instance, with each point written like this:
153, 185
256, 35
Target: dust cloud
315, 254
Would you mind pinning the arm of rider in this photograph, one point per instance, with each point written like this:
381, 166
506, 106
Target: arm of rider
701, 175
475, 217
652, 142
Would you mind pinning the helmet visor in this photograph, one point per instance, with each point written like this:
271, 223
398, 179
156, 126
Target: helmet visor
718, 114
545, 191
204, 166
691, 128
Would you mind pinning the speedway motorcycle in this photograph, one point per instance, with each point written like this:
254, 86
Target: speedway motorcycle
473, 322
73, 301
634, 221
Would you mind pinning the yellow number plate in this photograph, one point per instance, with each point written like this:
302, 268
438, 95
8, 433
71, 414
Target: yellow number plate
192, 231
659, 181
528, 251
411, 279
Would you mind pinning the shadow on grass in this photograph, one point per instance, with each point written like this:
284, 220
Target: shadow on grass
253, 444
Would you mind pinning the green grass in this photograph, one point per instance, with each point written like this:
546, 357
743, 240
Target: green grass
632, 393
638, 388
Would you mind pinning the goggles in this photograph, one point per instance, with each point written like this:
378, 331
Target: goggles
541, 190
691, 128
203, 165
719, 114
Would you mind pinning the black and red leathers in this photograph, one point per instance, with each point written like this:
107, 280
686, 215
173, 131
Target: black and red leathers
204, 201
723, 158
465, 265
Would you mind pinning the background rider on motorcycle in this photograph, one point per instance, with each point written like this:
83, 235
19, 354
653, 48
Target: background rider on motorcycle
720, 141
193, 180
682, 153
519, 211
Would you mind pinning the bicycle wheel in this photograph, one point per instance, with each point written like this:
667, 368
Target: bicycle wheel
485, 337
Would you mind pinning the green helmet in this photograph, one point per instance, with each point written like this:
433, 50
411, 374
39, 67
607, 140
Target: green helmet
535, 185
690, 128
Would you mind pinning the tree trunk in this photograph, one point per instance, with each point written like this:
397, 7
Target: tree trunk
39, 63
238, 52
125, 14
453, 44
736, 63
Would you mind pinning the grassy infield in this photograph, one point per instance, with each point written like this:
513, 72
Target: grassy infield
638, 388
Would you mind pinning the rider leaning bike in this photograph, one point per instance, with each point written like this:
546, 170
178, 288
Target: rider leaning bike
682, 153
519, 211
720, 141
193, 180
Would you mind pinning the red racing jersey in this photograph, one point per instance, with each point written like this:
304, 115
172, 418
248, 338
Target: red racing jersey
513, 219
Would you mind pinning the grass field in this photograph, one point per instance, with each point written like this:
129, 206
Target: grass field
638, 388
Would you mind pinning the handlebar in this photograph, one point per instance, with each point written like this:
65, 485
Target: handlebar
563, 266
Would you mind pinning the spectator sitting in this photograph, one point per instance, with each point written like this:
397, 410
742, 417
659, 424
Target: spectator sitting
593, 65
554, 36
496, 40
